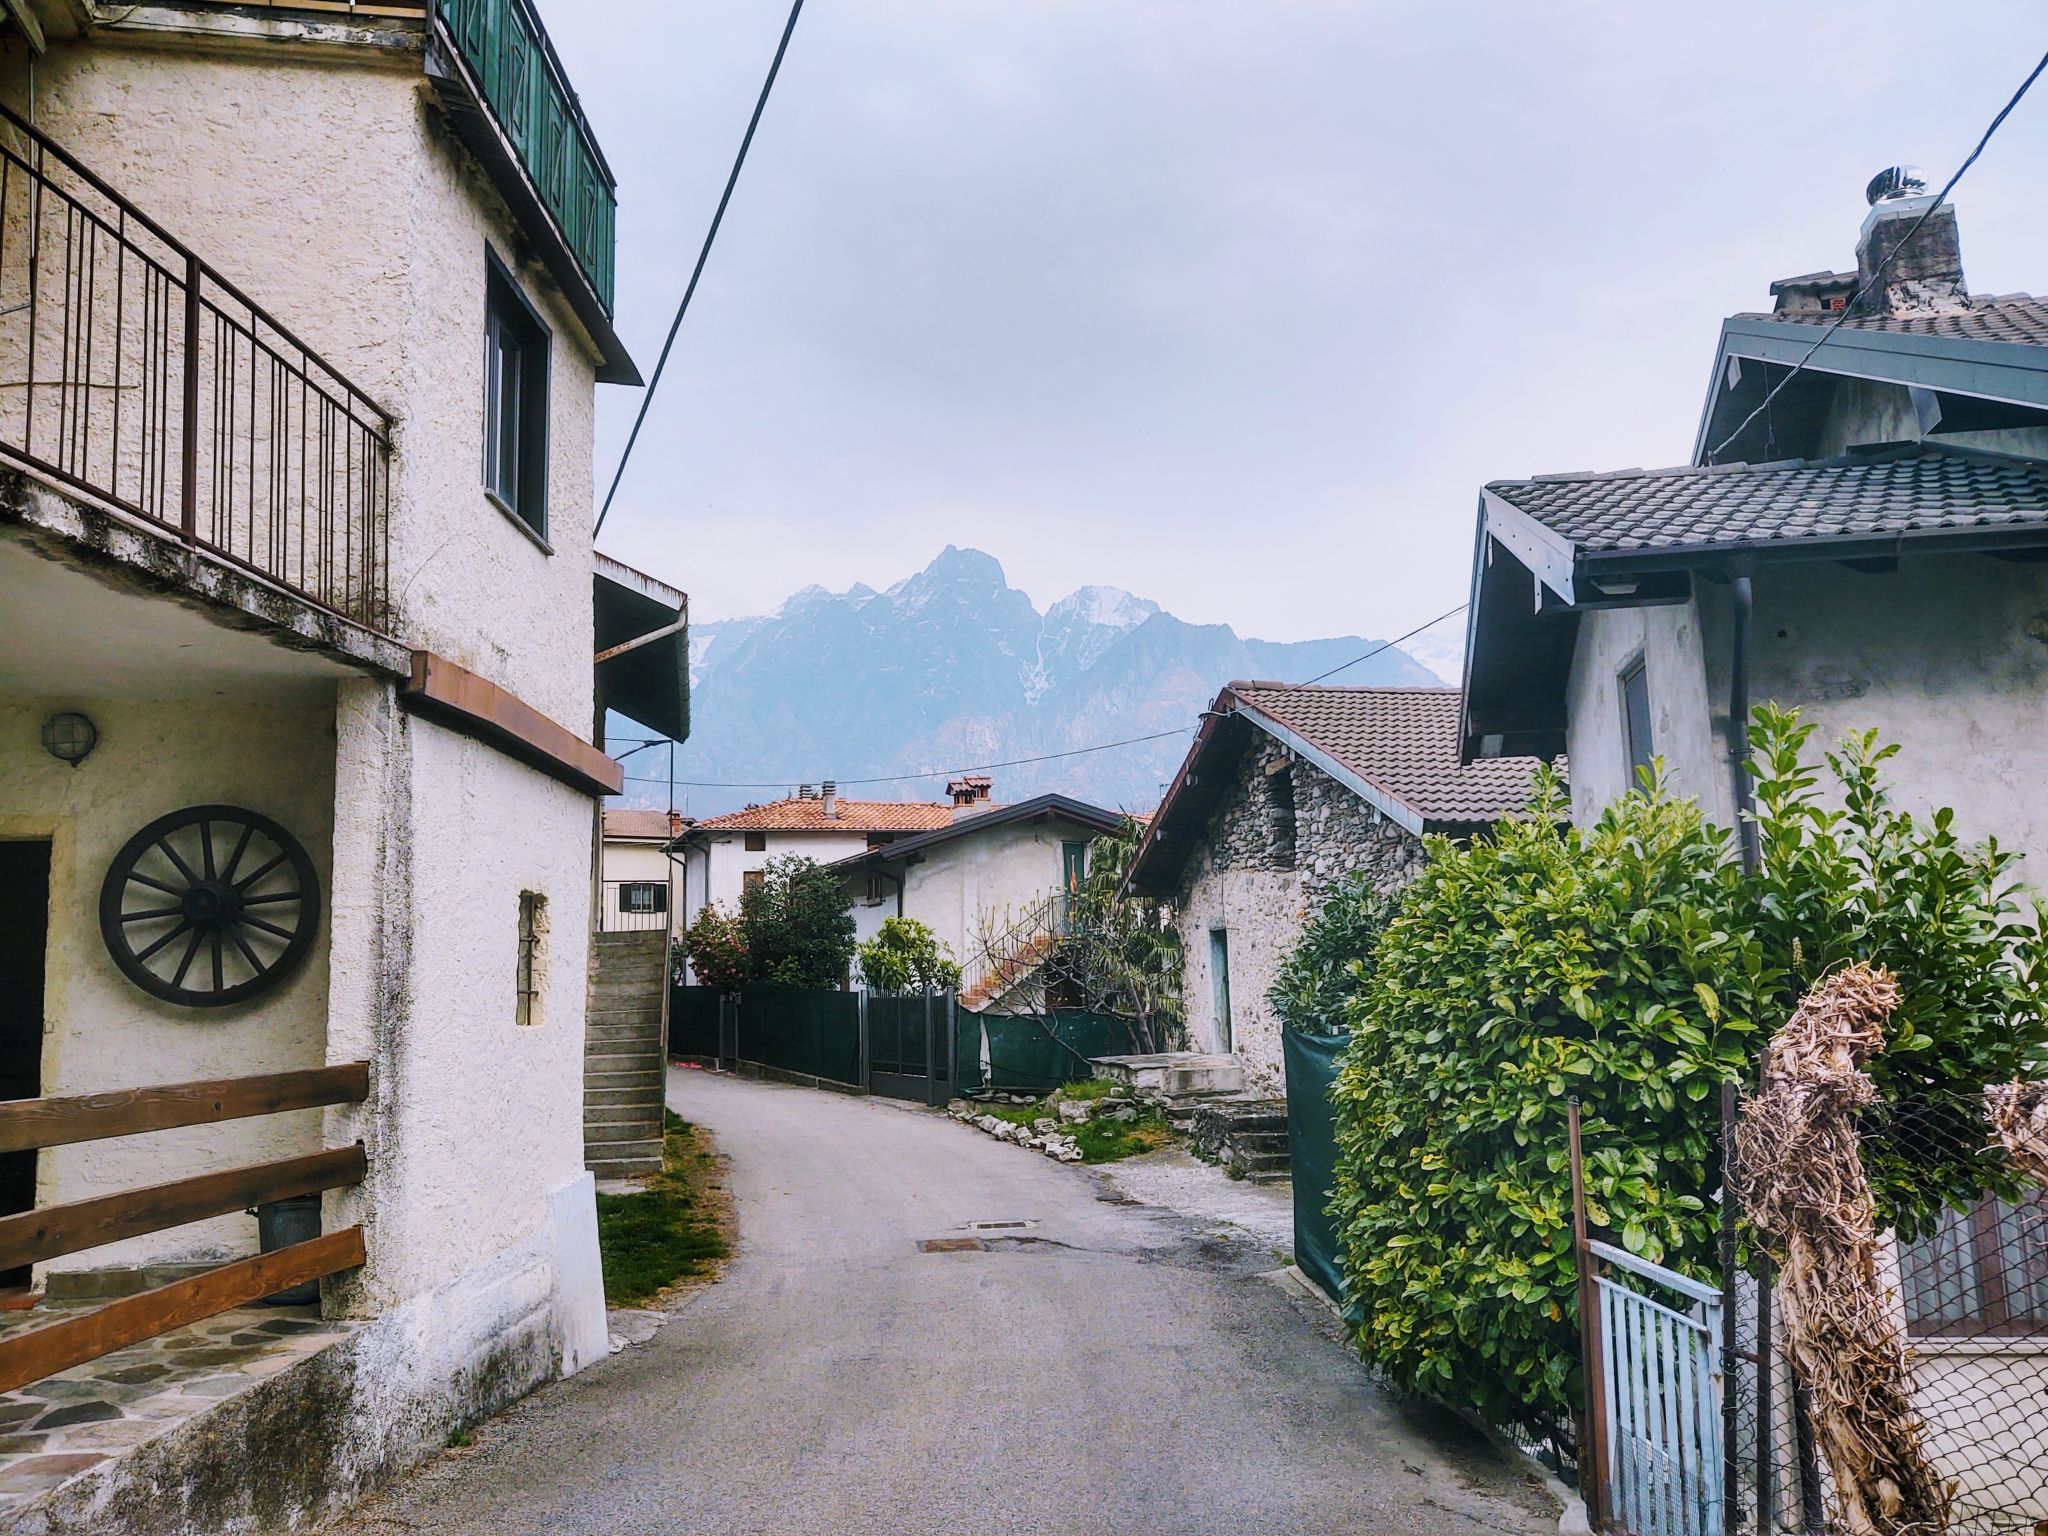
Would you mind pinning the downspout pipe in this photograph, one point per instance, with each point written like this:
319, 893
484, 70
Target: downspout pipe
1738, 720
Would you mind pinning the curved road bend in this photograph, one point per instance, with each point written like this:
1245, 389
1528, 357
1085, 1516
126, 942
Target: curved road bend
1109, 1369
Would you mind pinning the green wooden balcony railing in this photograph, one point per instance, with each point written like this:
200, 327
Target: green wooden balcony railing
507, 50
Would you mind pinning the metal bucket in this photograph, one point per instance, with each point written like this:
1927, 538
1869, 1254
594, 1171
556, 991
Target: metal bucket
281, 1224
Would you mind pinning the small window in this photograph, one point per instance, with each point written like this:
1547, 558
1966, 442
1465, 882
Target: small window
1981, 1271
643, 896
515, 403
753, 878
1635, 718
531, 981
757, 842
878, 889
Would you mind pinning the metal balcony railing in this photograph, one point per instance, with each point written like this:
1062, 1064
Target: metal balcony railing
133, 372
507, 50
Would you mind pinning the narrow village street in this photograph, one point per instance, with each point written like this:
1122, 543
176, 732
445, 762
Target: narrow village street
1108, 1368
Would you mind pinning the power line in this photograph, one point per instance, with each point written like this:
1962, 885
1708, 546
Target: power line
703, 256
1863, 288
1384, 645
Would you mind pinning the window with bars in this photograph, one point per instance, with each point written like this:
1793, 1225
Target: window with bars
1981, 1271
531, 976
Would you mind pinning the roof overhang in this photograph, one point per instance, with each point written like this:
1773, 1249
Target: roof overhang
643, 648
1048, 807
2010, 373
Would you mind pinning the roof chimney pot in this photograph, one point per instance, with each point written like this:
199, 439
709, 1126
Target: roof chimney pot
1921, 278
830, 793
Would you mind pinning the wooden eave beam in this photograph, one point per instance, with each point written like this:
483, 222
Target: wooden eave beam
451, 695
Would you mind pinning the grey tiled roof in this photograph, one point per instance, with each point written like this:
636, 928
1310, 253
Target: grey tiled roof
1405, 742
2013, 317
1768, 503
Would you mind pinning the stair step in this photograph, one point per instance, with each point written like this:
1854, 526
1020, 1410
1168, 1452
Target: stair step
641, 1147
619, 1098
595, 1065
1258, 1141
1257, 1162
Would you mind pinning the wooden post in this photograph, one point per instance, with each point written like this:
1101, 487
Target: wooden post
1593, 1419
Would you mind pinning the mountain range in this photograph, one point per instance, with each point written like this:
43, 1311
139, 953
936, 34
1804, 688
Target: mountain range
953, 667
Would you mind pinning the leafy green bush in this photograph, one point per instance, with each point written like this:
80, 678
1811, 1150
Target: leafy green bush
1633, 964
798, 928
1331, 960
717, 949
906, 956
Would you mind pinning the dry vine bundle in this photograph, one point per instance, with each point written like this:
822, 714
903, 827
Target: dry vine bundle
1801, 1177
2019, 1119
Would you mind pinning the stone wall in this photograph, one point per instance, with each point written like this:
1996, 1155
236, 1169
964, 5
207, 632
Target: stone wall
1279, 839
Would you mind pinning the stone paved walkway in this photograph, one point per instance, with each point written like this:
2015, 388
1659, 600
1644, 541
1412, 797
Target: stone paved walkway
55, 1429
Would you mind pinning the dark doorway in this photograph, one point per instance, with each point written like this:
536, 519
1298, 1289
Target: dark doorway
24, 929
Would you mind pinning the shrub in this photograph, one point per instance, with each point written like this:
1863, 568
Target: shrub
717, 949
1331, 960
798, 929
1635, 965
906, 956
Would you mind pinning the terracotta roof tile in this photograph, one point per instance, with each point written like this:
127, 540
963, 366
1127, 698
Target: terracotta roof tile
645, 826
795, 815
1405, 742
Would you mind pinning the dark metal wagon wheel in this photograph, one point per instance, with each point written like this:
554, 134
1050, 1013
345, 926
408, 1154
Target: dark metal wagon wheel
209, 906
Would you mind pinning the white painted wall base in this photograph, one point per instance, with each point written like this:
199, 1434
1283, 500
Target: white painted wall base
579, 1275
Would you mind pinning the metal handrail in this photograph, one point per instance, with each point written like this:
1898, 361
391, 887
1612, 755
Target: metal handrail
281, 468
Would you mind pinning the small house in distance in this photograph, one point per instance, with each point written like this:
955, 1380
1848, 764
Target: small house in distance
642, 881
1285, 791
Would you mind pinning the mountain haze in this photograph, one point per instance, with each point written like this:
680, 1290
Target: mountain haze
953, 667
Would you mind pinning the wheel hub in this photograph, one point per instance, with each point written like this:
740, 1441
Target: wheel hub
212, 905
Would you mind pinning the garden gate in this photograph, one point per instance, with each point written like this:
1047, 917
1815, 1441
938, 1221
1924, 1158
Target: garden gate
907, 1044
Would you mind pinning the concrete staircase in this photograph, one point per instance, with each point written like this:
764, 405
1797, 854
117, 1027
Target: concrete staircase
625, 1063
1174, 1075
1247, 1136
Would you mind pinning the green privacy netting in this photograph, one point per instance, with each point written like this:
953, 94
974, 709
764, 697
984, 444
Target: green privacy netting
807, 1030
693, 1021
1011, 1053
1312, 1145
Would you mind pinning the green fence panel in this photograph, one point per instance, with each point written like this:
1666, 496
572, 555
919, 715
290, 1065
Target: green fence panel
807, 1030
1312, 1146
896, 1031
1033, 1054
693, 1021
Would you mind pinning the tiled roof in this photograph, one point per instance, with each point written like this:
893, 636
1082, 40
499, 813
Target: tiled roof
1405, 742
1769, 503
640, 826
794, 815
2014, 317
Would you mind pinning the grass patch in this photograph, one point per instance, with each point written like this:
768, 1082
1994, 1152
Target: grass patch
1089, 1090
670, 1233
1100, 1141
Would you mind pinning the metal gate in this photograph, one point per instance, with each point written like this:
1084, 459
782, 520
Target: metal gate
907, 1044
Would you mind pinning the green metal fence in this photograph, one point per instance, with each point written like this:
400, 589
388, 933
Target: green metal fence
507, 50
1311, 1062
1018, 1053
804, 1031
693, 1021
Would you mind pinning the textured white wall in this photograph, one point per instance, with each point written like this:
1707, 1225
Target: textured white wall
101, 1031
1683, 728
728, 861
983, 875
1262, 911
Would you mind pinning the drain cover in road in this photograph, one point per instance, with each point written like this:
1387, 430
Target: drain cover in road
952, 1245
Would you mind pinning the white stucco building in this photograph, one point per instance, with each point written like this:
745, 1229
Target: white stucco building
302, 314
1864, 539
642, 879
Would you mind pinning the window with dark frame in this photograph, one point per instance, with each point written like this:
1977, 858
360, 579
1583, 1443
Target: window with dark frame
1635, 718
643, 896
757, 842
752, 878
1981, 1271
516, 346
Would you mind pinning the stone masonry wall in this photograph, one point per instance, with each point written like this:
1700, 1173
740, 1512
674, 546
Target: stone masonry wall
1280, 838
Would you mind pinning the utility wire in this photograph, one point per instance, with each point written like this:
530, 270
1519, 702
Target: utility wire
1384, 645
703, 256
1863, 288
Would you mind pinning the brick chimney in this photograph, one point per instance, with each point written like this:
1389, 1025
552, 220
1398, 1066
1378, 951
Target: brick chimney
829, 793
1925, 277
970, 794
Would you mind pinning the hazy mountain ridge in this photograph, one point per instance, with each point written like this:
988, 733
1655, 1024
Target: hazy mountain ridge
952, 666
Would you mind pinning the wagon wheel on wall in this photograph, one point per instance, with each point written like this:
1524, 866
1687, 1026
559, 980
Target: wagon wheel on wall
210, 906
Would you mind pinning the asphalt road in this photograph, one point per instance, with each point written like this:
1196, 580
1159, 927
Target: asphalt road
1110, 1368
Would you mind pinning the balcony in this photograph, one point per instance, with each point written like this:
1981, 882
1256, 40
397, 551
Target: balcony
511, 101
135, 376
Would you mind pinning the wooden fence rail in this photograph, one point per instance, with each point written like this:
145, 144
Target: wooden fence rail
54, 1231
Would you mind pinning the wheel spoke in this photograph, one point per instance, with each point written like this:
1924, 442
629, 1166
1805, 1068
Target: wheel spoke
243, 885
274, 900
256, 966
143, 917
206, 847
178, 863
154, 885
166, 939
241, 847
220, 980
191, 953
271, 928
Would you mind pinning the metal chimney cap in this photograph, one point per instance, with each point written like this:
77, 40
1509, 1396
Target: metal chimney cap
1893, 183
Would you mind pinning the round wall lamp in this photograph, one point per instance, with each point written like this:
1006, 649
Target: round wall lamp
70, 737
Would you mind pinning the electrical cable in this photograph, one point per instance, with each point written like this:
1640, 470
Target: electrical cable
1384, 645
697, 272
1863, 288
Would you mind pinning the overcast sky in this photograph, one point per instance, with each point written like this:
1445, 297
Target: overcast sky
1232, 304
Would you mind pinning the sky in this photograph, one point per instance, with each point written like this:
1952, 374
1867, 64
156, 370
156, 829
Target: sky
1235, 305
